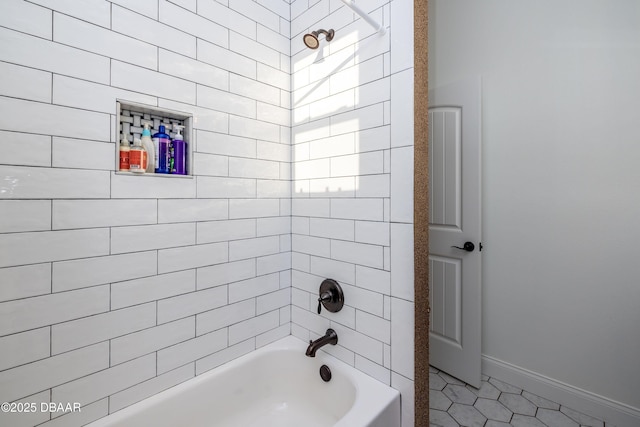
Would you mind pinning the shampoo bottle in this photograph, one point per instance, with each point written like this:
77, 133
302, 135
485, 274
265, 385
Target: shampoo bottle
137, 157
124, 155
148, 147
161, 141
179, 152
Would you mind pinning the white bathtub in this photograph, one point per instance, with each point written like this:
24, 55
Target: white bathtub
275, 386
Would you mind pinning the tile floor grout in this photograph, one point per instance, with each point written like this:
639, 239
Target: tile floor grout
452, 403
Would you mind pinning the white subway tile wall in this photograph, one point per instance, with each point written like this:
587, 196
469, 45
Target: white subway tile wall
352, 185
115, 287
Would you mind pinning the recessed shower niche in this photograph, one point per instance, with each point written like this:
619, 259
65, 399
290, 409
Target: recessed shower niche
131, 118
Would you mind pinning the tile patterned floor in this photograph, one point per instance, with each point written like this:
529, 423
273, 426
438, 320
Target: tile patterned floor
453, 403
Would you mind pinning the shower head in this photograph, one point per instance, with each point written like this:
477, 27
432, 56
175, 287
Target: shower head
311, 39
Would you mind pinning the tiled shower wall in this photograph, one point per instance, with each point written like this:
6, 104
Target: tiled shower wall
352, 201
114, 287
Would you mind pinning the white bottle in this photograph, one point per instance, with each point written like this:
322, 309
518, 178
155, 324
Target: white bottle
138, 160
147, 143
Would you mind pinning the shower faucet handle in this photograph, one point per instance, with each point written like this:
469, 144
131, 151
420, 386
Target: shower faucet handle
324, 297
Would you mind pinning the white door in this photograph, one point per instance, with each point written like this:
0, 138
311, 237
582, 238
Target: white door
455, 273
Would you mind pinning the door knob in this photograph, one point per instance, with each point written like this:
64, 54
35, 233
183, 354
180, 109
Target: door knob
468, 246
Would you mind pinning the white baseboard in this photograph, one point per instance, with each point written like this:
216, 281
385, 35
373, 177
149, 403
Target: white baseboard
613, 412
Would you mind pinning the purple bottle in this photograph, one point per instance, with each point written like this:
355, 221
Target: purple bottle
179, 152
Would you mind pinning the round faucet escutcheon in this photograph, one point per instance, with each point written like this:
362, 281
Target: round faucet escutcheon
331, 296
